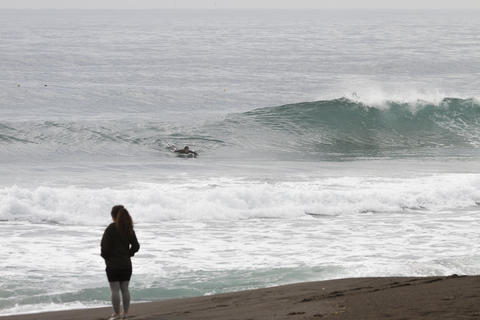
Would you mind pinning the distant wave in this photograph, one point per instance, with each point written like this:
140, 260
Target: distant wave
327, 129
347, 127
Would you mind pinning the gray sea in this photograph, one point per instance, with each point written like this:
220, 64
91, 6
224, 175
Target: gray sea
331, 144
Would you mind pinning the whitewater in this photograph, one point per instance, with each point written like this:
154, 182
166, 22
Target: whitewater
331, 144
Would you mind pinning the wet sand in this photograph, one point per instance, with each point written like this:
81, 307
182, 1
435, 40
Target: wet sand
453, 297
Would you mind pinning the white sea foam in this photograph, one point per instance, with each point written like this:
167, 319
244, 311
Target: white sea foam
184, 258
35, 308
375, 95
222, 199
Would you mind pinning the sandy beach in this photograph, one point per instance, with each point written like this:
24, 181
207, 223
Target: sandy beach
452, 297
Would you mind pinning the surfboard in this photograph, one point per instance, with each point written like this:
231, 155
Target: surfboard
183, 155
320, 215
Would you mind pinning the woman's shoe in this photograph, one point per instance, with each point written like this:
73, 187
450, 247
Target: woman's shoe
114, 316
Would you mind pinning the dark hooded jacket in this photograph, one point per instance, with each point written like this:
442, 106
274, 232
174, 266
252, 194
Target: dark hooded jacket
117, 249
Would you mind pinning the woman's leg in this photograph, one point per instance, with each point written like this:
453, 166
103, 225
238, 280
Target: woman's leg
125, 296
115, 288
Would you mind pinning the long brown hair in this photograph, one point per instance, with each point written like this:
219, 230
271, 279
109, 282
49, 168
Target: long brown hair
123, 220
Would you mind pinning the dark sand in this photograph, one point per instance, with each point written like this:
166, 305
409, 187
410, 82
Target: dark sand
454, 297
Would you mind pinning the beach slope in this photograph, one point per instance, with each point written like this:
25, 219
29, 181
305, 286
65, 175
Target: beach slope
453, 297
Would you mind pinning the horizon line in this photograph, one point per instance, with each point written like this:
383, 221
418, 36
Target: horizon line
245, 9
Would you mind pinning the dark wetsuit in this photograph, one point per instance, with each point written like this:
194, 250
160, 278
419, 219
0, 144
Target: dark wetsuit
181, 151
117, 250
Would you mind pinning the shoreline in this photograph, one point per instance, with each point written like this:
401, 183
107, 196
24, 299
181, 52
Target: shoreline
443, 297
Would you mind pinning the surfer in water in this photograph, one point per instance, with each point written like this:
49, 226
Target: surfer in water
185, 150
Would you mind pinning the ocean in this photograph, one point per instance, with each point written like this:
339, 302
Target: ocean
331, 144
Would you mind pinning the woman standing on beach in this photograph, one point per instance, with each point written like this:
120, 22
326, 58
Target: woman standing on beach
119, 243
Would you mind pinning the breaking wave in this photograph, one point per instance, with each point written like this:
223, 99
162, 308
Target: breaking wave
223, 199
327, 129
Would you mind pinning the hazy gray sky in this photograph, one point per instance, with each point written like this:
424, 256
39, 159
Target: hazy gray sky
144, 4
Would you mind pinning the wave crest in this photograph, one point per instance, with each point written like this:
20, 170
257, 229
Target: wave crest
346, 127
